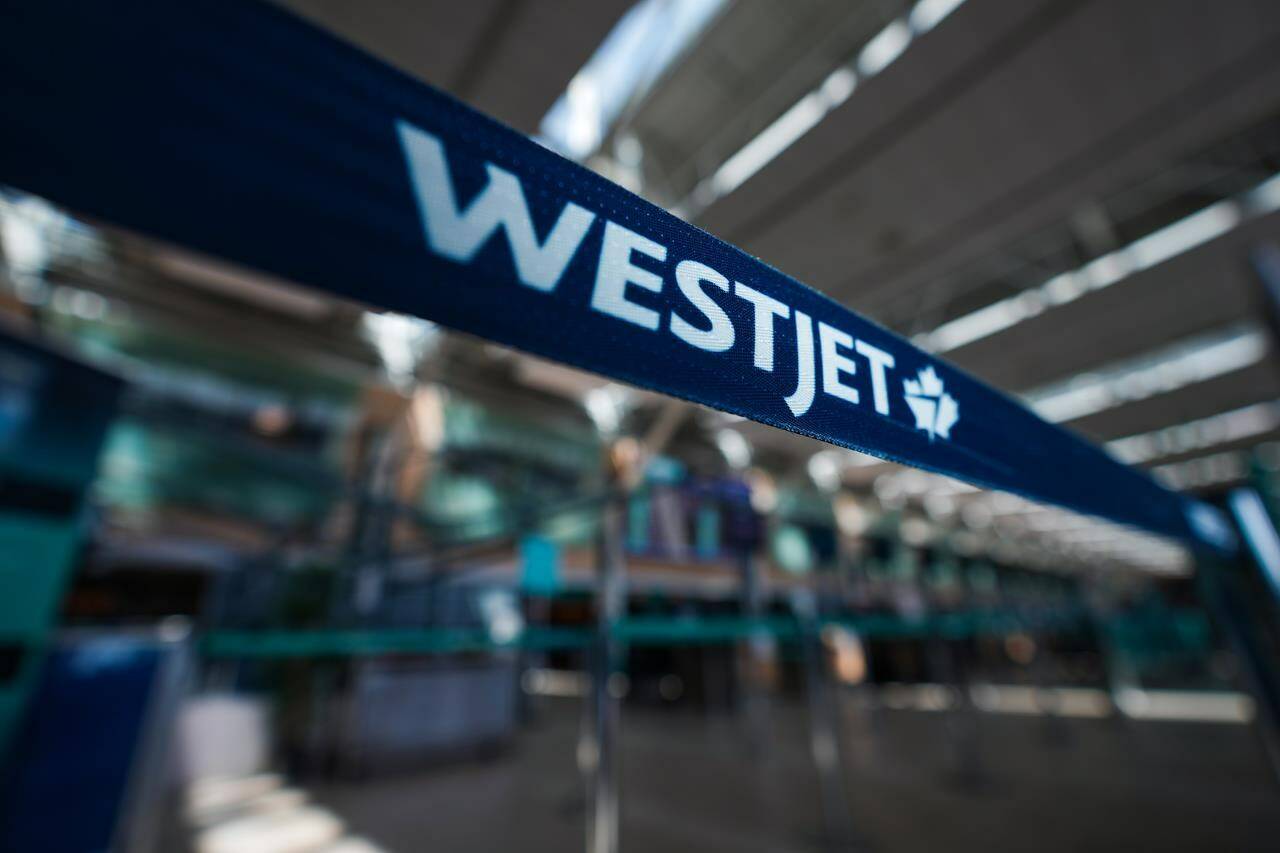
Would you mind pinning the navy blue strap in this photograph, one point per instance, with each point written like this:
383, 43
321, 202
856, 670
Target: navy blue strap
231, 127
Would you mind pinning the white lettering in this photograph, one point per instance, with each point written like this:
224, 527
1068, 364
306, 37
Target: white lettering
690, 276
501, 204
879, 361
833, 363
802, 398
616, 271
766, 309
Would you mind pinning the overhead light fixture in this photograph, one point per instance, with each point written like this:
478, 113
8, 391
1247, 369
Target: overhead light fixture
1170, 241
1235, 425
651, 35
880, 51
1184, 363
884, 48
1212, 470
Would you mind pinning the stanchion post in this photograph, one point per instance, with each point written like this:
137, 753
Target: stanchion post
824, 736
753, 694
1232, 615
1226, 609
968, 769
1250, 513
605, 706
604, 710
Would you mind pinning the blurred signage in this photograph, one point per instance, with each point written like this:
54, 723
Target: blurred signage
389, 192
540, 565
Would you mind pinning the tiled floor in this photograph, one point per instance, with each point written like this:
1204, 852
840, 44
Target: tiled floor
690, 783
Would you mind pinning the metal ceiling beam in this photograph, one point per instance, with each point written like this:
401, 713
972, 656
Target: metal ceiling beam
1209, 287
509, 58
999, 123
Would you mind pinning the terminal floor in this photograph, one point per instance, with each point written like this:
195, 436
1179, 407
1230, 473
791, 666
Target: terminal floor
689, 782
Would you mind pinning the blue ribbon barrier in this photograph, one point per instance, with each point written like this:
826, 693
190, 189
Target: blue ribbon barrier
233, 128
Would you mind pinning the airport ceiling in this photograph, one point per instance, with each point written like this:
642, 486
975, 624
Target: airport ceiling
1016, 142
509, 58
756, 60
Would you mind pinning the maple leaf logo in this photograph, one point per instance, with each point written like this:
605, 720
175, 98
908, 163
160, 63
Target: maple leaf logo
936, 411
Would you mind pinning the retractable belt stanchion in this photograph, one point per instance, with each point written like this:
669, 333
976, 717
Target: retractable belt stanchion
1241, 622
602, 796
967, 770
825, 744
752, 660
1231, 613
233, 128
622, 468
